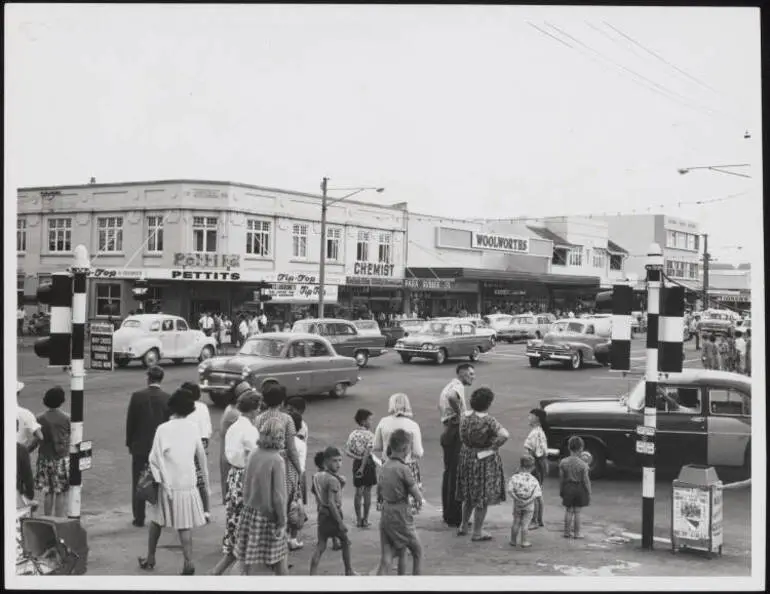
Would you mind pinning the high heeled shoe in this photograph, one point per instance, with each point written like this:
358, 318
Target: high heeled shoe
145, 564
187, 570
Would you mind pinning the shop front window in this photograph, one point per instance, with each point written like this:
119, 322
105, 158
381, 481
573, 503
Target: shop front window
21, 235
333, 240
576, 256
258, 238
155, 234
110, 231
559, 256
59, 235
299, 241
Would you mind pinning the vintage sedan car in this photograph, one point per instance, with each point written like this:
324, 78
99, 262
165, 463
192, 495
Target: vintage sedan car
497, 321
716, 321
703, 417
571, 341
440, 340
348, 341
482, 328
525, 326
151, 337
400, 328
303, 363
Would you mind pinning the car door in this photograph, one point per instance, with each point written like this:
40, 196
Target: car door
729, 426
348, 339
591, 338
324, 372
471, 338
186, 345
167, 337
681, 436
297, 370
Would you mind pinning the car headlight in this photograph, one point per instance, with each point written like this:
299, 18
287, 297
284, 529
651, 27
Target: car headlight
427, 347
246, 371
202, 367
400, 344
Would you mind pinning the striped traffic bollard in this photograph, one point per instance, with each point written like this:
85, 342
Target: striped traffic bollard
620, 352
77, 379
671, 330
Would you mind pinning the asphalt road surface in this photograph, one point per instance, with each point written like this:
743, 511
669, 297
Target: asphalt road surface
517, 387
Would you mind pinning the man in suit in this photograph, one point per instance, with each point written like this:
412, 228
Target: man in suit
147, 409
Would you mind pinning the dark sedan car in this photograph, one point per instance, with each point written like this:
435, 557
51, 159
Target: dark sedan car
703, 417
400, 328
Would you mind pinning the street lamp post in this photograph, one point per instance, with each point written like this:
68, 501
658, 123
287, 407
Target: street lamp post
324, 208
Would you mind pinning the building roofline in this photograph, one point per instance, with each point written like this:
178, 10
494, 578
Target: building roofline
197, 181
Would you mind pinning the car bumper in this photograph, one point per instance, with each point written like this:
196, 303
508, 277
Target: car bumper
124, 355
549, 356
417, 352
207, 385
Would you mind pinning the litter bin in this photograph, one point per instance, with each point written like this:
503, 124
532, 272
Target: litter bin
696, 510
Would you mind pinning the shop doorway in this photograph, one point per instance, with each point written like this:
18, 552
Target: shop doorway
198, 306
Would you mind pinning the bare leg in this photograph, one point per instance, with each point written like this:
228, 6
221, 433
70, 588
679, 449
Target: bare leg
346, 556
525, 528
60, 504
319, 550
467, 511
401, 555
576, 515
515, 527
281, 568
479, 515
567, 521
185, 538
224, 564
416, 550
367, 502
357, 504
48, 504
386, 558
152, 541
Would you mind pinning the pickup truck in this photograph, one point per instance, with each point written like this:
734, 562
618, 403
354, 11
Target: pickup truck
345, 338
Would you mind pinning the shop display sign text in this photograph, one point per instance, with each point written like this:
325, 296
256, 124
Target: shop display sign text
374, 281
100, 339
428, 283
204, 275
299, 292
373, 269
206, 260
503, 243
114, 273
299, 278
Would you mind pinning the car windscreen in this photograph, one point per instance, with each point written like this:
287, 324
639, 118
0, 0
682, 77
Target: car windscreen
263, 347
131, 324
413, 323
437, 328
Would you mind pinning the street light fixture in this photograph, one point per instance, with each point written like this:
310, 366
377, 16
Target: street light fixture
717, 168
324, 206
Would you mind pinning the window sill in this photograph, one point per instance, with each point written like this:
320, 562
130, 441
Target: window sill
103, 254
58, 254
21, 253
253, 258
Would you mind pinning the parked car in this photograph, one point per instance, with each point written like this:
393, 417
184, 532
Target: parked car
151, 337
347, 340
497, 321
303, 363
400, 328
525, 326
440, 340
703, 417
716, 321
573, 342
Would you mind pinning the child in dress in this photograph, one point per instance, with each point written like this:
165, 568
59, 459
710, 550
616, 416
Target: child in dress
575, 487
327, 488
525, 490
299, 439
397, 530
359, 447
536, 445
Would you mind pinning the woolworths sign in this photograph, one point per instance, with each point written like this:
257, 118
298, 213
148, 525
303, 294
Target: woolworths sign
503, 243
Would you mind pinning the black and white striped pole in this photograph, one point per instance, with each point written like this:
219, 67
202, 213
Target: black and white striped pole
79, 270
622, 304
645, 446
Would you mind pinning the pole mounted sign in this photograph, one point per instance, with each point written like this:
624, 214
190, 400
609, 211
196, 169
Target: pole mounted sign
101, 334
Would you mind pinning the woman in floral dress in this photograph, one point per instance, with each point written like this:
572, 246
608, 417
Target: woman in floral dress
480, 480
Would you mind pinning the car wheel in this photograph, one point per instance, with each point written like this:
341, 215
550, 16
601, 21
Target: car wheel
362, 358
598, 466
122, 362
339, 390
493, 340
534, 362
206, 353
406, 358
576, 362
441, 356
178, 361
538, 335
151, 358
218, 399
475, 355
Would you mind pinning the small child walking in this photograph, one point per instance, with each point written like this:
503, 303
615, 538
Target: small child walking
359, 447
574, 487
536, 445
397, 531
327, 488
525, 490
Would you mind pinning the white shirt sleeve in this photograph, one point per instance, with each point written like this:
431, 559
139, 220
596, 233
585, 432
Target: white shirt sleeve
302, 453
417, 451
204, 420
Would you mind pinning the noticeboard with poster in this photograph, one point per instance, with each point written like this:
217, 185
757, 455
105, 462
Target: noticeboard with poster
101, 347
697, 517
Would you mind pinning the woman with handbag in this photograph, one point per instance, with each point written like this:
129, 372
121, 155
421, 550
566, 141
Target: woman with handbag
179, 506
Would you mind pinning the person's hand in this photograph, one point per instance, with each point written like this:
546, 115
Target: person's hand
279, 532
418, 503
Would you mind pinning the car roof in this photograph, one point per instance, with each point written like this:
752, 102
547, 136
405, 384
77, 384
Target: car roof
153, 316
316, 320
285, 336
710, 377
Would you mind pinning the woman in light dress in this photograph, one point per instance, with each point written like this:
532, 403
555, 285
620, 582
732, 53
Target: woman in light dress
175, 448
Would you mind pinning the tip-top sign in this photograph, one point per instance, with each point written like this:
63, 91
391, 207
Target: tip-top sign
502, 243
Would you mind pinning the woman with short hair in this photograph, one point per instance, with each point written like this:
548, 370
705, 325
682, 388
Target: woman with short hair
179, 506
480, 480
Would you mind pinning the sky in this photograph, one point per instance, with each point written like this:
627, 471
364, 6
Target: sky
461, 111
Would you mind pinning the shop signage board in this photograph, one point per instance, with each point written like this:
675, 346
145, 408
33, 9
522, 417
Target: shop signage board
206, 260
503, 243
299, 293
101, 347
373, 269
509, 292
116, 273
368, 281
423, 284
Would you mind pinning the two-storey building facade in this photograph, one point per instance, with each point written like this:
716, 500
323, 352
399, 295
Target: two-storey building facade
207, 246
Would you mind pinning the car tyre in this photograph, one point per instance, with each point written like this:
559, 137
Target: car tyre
362, 358
122, 362
598, 467
206, 353
475, 355
178, 361
406, 358
339, 390
151, 358
576, 362
441, 356
534, 362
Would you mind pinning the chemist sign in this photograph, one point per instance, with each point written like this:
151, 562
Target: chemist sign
101, 345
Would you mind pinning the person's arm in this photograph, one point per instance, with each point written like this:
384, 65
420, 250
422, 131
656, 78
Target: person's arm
157, 466
291, 445
25, 473
206, 424
278, 495
411, 485
417, 451
200, 454
587, 479
453, 399
131, 421
378, 446
332, 487
502, 435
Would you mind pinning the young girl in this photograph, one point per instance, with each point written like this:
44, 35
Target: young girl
53, 460
327, 488
299, 439
575, 487
536, 445
359, 447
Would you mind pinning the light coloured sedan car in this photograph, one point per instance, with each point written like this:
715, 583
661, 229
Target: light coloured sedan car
440, 340
482, 328
151, 337
303, 363
498, 321
525, 326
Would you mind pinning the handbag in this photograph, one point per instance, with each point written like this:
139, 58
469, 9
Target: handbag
296, 517
147, 488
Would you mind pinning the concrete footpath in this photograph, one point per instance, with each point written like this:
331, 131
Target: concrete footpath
115, 545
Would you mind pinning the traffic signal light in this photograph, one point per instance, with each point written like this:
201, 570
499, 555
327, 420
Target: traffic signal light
58, 295
140, 289
264, 295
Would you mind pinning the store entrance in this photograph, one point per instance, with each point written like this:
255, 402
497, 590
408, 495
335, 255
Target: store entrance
198, 306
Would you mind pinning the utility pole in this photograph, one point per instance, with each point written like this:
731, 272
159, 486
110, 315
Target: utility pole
322, 270
706, 258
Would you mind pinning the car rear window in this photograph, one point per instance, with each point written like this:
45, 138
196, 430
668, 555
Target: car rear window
131, 324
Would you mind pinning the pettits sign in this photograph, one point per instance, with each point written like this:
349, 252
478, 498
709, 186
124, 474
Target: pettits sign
503, 243
206, 260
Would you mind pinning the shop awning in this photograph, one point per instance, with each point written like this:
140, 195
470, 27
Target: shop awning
544, 233
481, 274
614, 248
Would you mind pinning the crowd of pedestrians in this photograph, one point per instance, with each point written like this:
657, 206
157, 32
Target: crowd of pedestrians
727, 352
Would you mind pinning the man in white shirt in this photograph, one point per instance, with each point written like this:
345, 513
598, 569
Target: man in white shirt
206, 324
452, 405
243, 331
740, 350
28, 432
263, 321
254, 325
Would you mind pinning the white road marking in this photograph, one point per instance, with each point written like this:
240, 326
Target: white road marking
506, 355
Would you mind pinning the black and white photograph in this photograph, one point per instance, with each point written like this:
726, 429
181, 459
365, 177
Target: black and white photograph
384, 297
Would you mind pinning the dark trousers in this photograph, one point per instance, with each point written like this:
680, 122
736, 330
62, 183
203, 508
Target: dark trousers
697, 341
452, 509
138, 464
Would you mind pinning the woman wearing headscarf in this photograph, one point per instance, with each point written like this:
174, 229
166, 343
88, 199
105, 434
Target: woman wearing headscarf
480, 480
179, 506
400, 417
229, 416
260, 538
